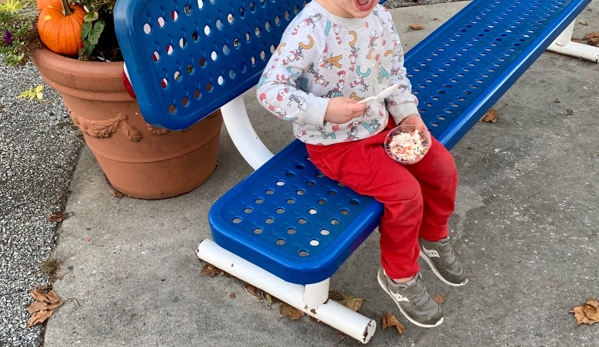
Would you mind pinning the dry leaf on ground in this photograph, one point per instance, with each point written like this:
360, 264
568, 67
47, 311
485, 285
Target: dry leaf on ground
439, 299
490, 116
116, 194
416, 26
290, 311
389, 320
587, 313
57, 217
211, 270
352, 302
232, 295
44, 305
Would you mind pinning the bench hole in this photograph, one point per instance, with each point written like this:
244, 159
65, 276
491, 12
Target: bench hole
182, 43
202, 62
322, 202
448, 111
197, 94
295, 9
259, 201
435, 124
332, 192
303, 254
324, 232
345, 212
290, 201
267, 26
253, 61
441, 117
286, 14
230, 18
280, 210
272, 49
226, 49
200, 3
291, 231
185, 101
299, 166
241, 12
164, 83
269, 220
195, 36
236, 220
214, 55
290, 174
269, 192
461, 98
209, 87
280, 183
207, 30
231, 74
247, 37
172, 109
311, 183
340, 184
455, 105
248, 210
242, 67
156, 56
220, 80
174, 16
169, 49
320, 175
314, 243
258, 231
302, 221
161, 22
257, 31
236, 43
252, 6
262, 55
312, 211
301, 192
147, 28
280, 242
277, 20
187, 9
335, 221
219, 24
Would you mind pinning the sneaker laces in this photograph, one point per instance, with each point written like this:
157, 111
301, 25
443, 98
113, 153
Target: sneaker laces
446, 252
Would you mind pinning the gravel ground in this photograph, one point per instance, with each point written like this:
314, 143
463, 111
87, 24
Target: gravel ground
38, 154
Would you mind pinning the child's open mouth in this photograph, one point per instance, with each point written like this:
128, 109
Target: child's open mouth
364, 5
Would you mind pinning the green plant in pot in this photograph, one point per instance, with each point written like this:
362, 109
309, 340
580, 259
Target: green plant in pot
77, 54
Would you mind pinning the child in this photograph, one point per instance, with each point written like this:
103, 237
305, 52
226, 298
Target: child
333, 54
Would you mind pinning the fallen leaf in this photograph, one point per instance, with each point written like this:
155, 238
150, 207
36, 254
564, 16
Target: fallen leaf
87, 239
592, 35
232, 295
290, 312
116, 194
490, 116
587, 313
57, 217
271, 299
251, 290
352, 302
416, 26
581, 22
43, 306
389, 320
335, 295
211, 270
439, 299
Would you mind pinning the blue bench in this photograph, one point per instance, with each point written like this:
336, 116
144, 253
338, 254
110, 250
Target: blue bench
287, 228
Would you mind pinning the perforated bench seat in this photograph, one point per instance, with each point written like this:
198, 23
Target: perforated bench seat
289, 219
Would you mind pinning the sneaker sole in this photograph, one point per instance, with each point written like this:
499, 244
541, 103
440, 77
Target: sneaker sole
436, 272
384, 286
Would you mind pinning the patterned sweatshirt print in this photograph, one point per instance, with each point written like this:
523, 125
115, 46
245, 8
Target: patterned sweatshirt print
323, 56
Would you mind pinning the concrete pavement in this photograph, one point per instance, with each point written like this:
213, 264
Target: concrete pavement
526, 228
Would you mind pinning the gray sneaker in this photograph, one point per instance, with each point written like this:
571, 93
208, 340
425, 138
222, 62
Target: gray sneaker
440, 257
413, 300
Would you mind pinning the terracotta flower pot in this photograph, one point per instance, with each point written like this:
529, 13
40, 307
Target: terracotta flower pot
139, 160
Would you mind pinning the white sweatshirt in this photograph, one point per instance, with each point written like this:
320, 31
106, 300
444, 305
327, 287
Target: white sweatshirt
322, 56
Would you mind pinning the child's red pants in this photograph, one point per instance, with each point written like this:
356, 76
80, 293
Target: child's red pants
418, 199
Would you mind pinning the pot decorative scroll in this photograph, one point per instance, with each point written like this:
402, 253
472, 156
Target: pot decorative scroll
102, 129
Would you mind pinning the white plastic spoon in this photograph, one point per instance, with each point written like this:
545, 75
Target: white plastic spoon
382, 95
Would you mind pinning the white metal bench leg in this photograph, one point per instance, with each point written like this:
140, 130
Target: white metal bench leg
311, 299
564, 45
242, 133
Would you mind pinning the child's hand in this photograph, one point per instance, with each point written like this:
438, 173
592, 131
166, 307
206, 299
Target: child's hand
418, 124
342, 110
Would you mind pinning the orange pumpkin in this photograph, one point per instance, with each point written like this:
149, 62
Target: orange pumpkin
42, 4
61, 31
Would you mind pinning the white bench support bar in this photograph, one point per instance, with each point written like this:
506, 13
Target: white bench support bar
564, 45
311, 299
242, 133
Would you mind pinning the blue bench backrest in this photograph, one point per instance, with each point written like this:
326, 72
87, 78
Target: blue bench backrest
188, 58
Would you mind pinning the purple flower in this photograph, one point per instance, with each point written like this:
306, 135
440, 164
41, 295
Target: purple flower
8, 36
